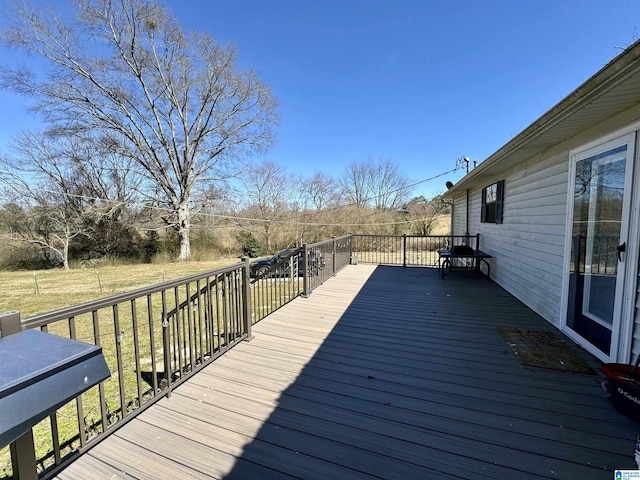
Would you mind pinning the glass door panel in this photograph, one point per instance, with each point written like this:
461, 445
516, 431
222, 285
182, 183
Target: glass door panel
598, 231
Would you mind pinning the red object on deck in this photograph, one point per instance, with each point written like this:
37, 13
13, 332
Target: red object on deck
623, 386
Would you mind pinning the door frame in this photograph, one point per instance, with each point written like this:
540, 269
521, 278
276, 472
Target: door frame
622, 328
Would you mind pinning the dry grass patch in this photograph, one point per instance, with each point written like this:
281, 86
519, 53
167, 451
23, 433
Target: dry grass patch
45, 291
42, 291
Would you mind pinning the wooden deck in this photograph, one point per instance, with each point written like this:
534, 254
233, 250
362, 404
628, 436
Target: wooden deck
383, 372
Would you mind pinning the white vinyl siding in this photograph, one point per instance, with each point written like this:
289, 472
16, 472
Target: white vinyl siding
528, 246
458, 225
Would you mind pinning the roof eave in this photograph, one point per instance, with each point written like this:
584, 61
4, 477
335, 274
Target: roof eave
606, 79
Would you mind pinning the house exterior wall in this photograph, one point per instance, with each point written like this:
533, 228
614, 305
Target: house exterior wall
528, 247
458, 223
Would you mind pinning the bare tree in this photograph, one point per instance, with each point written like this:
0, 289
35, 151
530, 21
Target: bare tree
268, 193
85, 171
421, 215
356, 182
211, 206
391, 188
175, 104
379, 184
50, 226
36, 215
62, 186
321, 191
313, 202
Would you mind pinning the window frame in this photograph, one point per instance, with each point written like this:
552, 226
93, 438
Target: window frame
492, 211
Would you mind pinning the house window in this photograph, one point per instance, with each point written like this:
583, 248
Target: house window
492, 201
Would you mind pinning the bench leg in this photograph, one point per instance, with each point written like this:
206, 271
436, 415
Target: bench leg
488, 268
446, 263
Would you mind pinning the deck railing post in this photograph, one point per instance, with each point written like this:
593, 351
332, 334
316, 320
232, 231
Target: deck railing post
166, 346
350, 247
404, 249
305, 271
353, 260
23, 452
10, 323
333, 255
246, 298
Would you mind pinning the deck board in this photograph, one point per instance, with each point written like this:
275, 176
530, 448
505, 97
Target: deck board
382, 372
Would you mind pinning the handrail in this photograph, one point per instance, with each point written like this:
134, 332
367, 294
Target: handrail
54, 315
156, 337
406, 250
150, 322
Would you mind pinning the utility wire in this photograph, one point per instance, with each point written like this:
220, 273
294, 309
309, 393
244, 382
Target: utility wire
299, 217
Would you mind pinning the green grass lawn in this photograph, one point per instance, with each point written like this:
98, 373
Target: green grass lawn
31, 293
141, 334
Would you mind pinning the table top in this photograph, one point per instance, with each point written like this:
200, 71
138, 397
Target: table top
475, 254
40, 372
31, 355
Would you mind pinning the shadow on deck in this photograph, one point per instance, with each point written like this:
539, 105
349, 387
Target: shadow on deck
383, 372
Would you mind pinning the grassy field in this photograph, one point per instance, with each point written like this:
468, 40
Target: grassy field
31, 293
36, 292
134, 345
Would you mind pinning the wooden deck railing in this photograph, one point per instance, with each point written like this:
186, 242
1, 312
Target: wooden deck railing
156, 337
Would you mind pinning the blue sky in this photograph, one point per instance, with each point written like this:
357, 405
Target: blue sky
421, 82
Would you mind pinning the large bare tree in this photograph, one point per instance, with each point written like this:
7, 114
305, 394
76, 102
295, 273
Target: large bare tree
84, 171
174, 103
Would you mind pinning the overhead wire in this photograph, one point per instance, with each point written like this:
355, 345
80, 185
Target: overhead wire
299, 217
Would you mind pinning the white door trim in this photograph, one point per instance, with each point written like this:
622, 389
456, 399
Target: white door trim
622, 328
